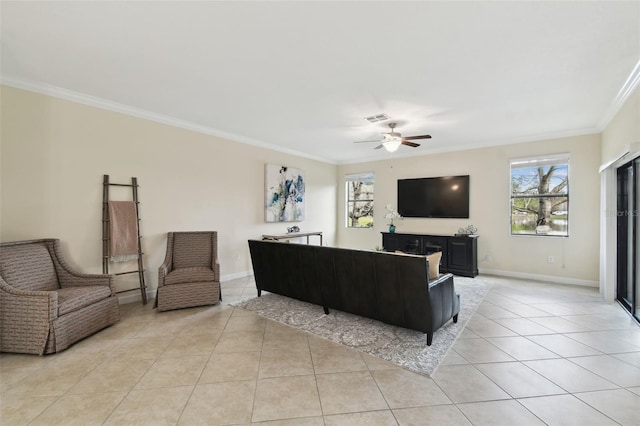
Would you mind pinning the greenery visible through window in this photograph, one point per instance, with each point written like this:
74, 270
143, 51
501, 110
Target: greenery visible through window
540, 196
359, 191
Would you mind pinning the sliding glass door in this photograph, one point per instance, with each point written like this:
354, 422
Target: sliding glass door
628, 226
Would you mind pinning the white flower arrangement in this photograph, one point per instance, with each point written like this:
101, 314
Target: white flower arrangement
391, 214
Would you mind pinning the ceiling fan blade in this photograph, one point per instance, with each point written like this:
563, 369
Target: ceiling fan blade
410, 138
379, 146
377, 140
411, 144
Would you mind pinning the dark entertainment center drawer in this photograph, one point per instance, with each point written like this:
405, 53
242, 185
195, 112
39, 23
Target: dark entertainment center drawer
459, 253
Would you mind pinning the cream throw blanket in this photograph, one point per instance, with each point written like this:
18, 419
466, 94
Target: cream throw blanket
123, 231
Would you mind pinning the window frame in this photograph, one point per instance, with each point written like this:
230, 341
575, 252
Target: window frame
563, 160
358, 177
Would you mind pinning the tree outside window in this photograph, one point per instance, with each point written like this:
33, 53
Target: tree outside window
359, 191
540, 196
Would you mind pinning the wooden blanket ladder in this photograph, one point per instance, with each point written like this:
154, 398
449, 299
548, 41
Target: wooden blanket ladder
106, 239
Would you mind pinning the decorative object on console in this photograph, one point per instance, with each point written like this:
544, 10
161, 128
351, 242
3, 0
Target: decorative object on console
467, 230
293, 229
284, 194
391, 215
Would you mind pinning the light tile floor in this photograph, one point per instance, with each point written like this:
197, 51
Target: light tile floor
533, 353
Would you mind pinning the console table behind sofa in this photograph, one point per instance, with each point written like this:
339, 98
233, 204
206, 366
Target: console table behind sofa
383, 286
292, 235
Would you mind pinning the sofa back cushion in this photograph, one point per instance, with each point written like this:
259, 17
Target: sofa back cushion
192, 250
28, 267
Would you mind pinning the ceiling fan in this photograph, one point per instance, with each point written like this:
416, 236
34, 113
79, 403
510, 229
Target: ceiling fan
392, 140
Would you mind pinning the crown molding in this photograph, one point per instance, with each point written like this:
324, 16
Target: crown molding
627, 89
81, 98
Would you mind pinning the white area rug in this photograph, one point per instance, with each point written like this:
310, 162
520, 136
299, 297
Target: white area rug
404, 347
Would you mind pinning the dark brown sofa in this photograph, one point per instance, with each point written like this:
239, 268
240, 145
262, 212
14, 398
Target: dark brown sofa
388, 287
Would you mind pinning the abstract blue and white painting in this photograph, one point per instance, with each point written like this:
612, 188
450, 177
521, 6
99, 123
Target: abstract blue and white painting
284, 195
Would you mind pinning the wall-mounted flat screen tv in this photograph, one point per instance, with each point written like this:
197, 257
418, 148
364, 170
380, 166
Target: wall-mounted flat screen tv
437, 197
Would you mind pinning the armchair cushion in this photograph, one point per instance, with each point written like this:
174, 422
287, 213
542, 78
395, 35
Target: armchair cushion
74, 298
190, 275
191, 250
29, 267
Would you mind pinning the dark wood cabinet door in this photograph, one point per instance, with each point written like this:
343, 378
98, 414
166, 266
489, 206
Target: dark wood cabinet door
407, 243
434, 243
462, 256
390, 242
459, 254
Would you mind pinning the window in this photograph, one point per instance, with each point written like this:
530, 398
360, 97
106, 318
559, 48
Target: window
540, 196
359, 191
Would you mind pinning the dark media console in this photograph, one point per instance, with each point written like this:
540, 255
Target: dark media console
459, 253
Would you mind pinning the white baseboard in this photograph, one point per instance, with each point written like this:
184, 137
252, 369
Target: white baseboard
136, 297
236, 275
151, 293
544, 278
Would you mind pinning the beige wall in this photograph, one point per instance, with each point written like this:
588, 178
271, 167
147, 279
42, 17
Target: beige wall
54, 152
576, 257
623, 130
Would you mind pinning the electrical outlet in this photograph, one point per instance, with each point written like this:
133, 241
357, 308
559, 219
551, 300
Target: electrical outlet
237, 258
550, 259
487, 258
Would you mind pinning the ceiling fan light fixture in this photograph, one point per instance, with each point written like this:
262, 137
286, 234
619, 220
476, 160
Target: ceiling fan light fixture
392, 140
392, 143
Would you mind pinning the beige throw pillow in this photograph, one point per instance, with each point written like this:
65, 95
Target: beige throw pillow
434, 264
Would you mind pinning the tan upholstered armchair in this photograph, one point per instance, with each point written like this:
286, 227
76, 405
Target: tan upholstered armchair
44, 305
190, 274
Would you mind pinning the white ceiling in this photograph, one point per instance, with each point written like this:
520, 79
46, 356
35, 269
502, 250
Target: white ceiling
301, 76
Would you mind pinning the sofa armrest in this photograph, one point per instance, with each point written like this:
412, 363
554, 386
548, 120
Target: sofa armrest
26, 318
445, 303
83, 280
77, 279
67, 277
443, 279
167, 264
216, 269
163, 271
